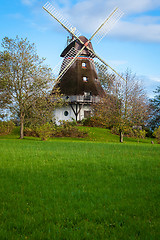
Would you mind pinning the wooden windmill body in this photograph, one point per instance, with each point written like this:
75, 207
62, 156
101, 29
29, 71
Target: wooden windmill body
78, 80
79, 85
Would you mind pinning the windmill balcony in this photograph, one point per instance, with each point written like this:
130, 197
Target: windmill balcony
82, 99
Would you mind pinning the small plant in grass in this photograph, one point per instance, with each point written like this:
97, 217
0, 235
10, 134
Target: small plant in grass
45, 131
156, 134
6, 127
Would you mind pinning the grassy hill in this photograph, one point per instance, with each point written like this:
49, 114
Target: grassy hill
94, 135
93, 188
79, 190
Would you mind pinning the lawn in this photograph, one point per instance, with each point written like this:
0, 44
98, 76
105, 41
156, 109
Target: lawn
68, 190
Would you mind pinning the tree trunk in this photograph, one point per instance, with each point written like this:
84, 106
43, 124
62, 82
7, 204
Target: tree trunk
21, 126
121, 136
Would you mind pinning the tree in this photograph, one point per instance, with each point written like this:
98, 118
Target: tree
156, 134
125, 105
155, 110
25, 81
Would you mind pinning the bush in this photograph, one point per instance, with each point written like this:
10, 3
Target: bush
45, 131
6, 127
139, 133
70, 132
66, 129
156, 134
30, 131
95, 122
129, 132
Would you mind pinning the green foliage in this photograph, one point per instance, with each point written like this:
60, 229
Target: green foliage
75, 190
95, 121
25, 82
6, 127
45, 131
30, 131
139, 133
157, 134
66, 129
70, 131
129, 132
155, 110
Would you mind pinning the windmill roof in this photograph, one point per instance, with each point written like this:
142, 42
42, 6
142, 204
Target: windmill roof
77, 45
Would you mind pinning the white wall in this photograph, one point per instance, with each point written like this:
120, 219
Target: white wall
59, 113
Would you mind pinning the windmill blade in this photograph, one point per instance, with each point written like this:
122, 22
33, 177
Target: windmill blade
106, 64
48, 7
69, 59
58, 17
92, 53
108, 24
102, 68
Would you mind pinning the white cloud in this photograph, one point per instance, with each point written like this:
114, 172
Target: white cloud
87, 15
137, 31
28, 2
155, 78
137, 6
149, 84
15, 16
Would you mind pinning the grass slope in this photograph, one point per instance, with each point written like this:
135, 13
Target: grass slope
79, 190
94, 135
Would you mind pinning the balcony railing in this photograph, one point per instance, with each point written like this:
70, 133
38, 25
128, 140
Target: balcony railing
82, 98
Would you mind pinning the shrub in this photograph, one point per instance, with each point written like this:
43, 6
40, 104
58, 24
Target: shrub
156, 134
6, 127
66, 129
30, 131
139, 133
70, 132
129, 132
95, 122
45, 131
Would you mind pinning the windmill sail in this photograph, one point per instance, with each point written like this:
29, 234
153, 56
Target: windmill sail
61, 66
48, 7
108, 24
100, 32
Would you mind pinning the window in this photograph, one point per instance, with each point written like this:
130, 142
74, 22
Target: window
66, 113
87, 114
87, 95
83, 65
85, 79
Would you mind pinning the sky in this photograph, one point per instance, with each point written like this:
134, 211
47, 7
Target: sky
133, 43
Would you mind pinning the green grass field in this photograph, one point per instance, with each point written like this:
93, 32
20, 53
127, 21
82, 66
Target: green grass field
70, 189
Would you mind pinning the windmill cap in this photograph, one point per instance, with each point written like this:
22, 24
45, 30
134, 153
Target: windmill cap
77, 45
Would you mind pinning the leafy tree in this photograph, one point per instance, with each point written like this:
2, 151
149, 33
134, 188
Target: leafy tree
155, 110
157, 134
125, 105
25, 81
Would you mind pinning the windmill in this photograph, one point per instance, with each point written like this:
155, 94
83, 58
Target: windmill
77, 78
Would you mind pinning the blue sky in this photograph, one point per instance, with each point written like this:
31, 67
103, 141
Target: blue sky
133, 43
